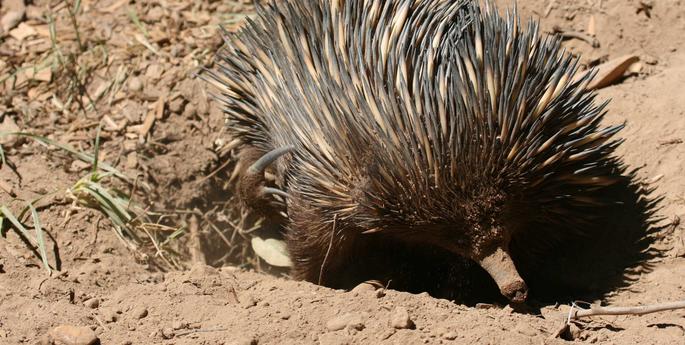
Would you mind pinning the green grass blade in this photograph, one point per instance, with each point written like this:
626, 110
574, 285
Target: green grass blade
96, 154
2, 157
40, 238
178, 233
79, 155
8, 214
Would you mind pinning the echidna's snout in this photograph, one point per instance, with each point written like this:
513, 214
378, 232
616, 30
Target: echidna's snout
500, 266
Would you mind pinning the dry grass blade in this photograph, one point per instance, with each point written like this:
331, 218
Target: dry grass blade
136, 20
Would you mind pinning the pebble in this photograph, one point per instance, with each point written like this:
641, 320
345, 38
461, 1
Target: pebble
400, 319
351, 320
179, 325
111, 316
168, 333
92, 303
364, 288
139, 312
244, 340
11, 19
70, 335
155, 14
135, 84
450, 336
247, 301
176, 105
8, 125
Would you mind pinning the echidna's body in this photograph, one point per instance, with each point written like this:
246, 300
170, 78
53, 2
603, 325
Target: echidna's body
421, 122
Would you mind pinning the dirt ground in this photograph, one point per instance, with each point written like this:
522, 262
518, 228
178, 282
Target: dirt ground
130, 66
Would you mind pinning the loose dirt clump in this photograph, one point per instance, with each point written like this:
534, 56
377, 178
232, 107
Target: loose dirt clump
157, 253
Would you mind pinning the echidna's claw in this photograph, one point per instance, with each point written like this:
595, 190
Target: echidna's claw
260, 165
253, 187
270, 190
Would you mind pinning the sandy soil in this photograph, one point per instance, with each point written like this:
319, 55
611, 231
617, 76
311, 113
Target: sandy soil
135, 66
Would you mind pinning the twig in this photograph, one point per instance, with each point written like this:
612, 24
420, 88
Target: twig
594, 42
192, 331
640, 310
227, 162
548, 10
576, 312
330, 245
196, 247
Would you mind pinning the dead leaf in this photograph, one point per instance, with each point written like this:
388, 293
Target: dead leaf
610, 71
273, 251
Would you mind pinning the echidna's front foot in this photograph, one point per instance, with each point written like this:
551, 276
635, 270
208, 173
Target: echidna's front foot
252, 188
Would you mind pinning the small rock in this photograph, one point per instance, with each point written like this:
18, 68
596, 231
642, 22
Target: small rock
364, 288
155, 14
176, 105
386, 334
449, 336
92, 303
139, 312
154, 71
178, 325
351, 320
168, 333
71, 335
11, 19
135, 84
244, 340
400, 319
8, 125
111, 316
650, 60
189, 111
132, 160
247, 301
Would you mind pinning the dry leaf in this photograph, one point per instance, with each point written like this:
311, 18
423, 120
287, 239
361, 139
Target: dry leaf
272, 251
610, 71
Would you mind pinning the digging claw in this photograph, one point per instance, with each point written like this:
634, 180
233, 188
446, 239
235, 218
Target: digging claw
501, 268
260, 165
252, 187
269, 190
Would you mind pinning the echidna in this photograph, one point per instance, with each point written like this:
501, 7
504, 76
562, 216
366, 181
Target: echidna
432, 123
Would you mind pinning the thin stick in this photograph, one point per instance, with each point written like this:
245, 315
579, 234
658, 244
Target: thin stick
641, 310
328, 251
